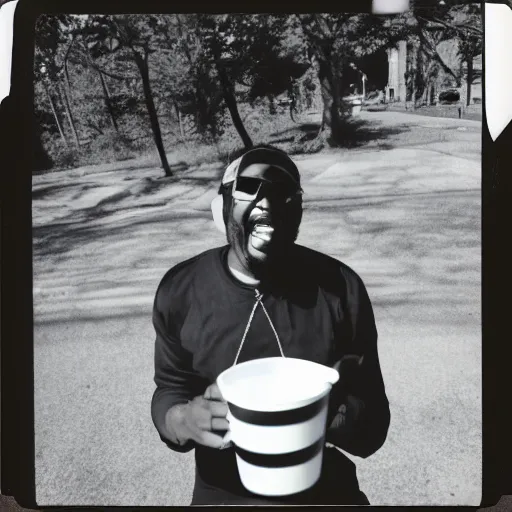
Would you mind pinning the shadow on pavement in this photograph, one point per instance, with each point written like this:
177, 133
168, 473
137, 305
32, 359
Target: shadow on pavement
61, 237
356, 133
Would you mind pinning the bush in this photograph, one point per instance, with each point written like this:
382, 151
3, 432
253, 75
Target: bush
191, 148
62, 155
109, 147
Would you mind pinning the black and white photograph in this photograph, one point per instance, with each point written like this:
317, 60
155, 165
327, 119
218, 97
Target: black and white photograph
256, 258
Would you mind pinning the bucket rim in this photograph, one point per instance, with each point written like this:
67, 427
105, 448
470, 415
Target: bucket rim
277, 406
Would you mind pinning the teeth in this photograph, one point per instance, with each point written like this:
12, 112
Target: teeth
259, 228
261, 234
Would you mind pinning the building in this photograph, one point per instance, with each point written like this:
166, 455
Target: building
396, 87
402, 66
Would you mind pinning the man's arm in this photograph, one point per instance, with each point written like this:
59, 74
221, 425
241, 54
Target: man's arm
185, 410
359, 409
176, 382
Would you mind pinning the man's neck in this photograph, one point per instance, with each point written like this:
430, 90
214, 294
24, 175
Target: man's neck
241, 274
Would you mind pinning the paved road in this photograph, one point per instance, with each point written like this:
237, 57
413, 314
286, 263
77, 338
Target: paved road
406, 218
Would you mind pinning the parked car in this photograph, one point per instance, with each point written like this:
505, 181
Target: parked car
375, 98
449, 96
375, 101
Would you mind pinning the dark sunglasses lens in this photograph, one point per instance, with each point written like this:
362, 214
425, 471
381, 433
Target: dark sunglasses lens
284, 190
248, 186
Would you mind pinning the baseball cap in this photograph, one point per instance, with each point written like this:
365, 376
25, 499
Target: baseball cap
265, 164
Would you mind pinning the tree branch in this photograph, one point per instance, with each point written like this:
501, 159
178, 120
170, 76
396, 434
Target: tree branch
113, 75
434, 54
90, 124
456, 27
109, 73
66, 55
86, 54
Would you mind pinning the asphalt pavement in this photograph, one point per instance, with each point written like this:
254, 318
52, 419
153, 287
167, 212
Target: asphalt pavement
402, 210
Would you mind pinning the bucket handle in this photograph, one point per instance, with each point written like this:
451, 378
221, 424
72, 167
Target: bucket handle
259, 298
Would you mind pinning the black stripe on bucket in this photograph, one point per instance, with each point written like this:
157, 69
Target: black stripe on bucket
281, 460
275, 418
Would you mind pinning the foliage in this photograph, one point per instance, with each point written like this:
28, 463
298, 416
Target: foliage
116, 86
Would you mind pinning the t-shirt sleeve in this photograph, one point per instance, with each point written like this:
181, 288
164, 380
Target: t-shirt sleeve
176, 381
359, 412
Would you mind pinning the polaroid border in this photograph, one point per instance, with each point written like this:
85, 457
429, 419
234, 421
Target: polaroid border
17, 471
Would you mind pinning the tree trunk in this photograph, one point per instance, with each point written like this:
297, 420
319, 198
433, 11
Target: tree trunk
69, 114
271, 105
329, 85
108, 103
180, 121
430, 48
67, 93
414, 75
469, 81
292, 108
230, 99
52, 106
424, 95
142, 64
106, 94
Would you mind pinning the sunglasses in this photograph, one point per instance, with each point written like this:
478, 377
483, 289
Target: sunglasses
248, 189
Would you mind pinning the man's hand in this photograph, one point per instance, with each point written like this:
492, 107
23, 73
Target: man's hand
200, 419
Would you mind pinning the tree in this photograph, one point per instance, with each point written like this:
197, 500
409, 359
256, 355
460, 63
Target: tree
195, 85
218, 48
324, 33
133, 39
82, 56
452, 20
335, 41
469, 32
53, 34
249, 51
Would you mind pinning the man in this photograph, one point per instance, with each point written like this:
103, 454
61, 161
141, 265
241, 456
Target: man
312, 307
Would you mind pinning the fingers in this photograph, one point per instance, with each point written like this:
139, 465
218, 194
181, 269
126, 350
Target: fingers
213, 393
219, 424
218, 409
208, 436
210, 415
206, 416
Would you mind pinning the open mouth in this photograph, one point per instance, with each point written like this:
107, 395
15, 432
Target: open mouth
261, 232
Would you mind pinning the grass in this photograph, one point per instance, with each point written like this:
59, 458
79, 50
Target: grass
293, 136
191, 151
473, 112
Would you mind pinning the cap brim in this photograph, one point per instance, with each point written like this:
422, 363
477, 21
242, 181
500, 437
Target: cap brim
264, 159
267, 172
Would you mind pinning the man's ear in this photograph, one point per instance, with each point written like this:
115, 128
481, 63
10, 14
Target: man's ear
217, 209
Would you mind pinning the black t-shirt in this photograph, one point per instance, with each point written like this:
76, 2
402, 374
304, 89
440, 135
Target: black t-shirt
321, 312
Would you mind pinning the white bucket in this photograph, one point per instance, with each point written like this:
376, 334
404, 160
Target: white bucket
277, 417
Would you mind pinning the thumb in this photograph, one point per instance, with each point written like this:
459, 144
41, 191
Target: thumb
213, 393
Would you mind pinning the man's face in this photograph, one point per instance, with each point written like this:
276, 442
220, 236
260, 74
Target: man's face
262, 229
